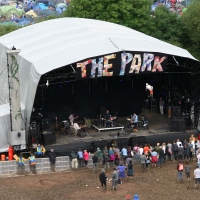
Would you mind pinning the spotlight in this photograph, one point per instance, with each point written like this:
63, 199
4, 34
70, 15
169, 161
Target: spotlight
47, 83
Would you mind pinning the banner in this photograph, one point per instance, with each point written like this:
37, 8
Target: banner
121, 64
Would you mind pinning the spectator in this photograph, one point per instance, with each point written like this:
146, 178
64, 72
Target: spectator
136, 197
197, 176
175, 150
146, 149
143, 162
102, 178
164, 147
136, 152
147, 161
169, 150
80, 158
99, 155
179, 143
124, 154
117, 158
74, 160
160, 157
52, 158
180, 152
111, 155
128, 159
95, 162
86, 158
105, 150
154, 158
114, 179
141, 150
121, 168
106, 160
187, 171
130, 169
180, 171
186, 151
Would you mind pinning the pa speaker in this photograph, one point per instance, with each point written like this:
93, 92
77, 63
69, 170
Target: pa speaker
176, 112
45, 124
178, 125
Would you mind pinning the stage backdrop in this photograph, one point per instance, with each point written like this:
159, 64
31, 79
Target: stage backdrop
120, 64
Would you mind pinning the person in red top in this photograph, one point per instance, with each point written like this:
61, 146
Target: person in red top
86, 157
146, 149
180, 171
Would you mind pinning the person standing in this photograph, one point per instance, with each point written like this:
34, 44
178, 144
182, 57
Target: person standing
130, 169
114, 179
99, 155
169, 150
124, 154
187, 171
106, 160
95, 162
52, 158
21, 167
160, 157
103, 178
161, 106
32, 162
80, 158
39, 151
121, 168
175, 150
74, 161
180, 171
86, 157
143, 162
180, 152
154, 158
197, 176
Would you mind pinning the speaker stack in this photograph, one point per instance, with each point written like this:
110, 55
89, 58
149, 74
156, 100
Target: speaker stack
177, 123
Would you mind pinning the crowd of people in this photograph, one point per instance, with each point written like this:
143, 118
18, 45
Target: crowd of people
173, 5
122, 161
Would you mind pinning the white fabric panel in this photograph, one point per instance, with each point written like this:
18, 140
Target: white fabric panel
5, 124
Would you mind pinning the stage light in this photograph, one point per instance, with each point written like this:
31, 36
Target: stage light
47, 83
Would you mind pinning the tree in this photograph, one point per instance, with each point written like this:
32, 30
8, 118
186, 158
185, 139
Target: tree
7, 29
166, 26
130, 13
191, 27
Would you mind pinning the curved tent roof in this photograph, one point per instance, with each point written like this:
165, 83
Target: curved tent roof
55, 43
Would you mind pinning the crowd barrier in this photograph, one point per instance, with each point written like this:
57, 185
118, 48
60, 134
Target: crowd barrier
63, 163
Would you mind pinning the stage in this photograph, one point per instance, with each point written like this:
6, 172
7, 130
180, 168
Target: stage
103, 128
158, 131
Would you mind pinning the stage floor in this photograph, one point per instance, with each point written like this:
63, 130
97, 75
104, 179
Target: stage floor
158, 124
102, 128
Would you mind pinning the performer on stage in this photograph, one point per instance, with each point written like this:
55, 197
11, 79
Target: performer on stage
107, 115
72, 118
134, 118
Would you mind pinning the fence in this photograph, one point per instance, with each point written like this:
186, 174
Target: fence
42, 165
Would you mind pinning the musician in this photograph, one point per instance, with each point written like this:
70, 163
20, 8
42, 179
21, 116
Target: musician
134, 118
107, 115
72, 118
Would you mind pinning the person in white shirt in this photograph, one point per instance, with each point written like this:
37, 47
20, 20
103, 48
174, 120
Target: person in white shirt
76, 126
179, 142
141, 150
198, 157
197, 175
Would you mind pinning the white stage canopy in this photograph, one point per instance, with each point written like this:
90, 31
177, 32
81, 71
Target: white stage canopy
55, 43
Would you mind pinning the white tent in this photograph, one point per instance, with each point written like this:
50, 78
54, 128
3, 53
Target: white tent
55, 43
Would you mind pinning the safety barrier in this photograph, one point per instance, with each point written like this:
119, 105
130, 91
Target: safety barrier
42, 165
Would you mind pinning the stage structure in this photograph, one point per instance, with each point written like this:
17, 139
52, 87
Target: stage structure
70, 49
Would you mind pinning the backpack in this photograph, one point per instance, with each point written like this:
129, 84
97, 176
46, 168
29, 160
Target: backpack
180, 167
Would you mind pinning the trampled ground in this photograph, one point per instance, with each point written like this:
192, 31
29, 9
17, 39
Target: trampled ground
153, 184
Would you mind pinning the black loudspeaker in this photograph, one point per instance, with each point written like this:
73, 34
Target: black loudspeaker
178, 125
176, 112
45, 124
48, 138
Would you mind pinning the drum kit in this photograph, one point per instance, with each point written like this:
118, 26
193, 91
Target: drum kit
112, 121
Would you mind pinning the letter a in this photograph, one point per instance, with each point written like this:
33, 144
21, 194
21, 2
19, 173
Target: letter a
125, 59
157, 63
147, 59
136, 67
